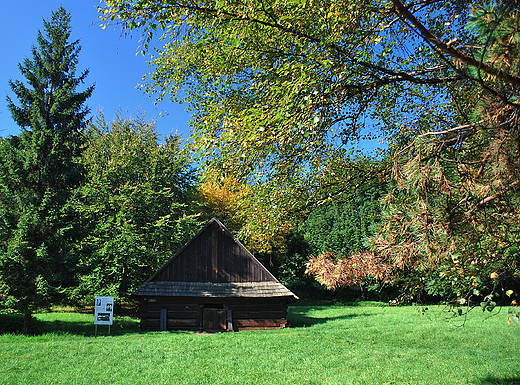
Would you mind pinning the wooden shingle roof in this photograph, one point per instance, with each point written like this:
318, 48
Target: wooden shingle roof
210, 289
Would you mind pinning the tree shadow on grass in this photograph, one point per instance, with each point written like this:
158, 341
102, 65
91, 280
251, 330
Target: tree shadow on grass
82, 324
500, 381
298, 316
13, 323
86, 328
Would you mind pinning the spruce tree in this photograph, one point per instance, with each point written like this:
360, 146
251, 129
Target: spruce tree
40, 173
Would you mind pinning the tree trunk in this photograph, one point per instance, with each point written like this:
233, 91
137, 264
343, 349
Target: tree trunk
27, 323
363, 295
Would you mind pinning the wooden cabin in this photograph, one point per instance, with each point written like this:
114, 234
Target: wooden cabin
213, 284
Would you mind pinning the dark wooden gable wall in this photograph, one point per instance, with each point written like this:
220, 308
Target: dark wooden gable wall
213, 255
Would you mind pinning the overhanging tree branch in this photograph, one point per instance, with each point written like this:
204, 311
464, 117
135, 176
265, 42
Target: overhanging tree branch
449, 50
394, 76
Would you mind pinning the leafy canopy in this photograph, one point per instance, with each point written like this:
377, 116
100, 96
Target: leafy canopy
138, 203
280, 89
453, 218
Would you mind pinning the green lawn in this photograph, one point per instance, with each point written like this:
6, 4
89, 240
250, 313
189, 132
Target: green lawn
328, 344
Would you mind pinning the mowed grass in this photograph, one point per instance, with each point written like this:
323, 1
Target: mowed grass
327, 344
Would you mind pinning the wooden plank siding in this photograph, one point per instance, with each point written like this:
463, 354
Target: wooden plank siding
214, 256
185, 314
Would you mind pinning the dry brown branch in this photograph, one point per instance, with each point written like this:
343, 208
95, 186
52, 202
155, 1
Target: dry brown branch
495, 196
333, 273
454, 129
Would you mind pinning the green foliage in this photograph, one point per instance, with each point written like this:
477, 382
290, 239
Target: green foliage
344, 226
341, 227
292, 266
497, 28
40, 173
137, 204
280, 91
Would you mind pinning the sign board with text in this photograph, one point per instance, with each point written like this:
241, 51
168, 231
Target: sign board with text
104, 311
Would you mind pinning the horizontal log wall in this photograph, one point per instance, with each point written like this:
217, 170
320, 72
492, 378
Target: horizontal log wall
181, 316
270, 315
187, 314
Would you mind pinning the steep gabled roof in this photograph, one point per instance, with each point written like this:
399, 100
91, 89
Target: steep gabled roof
213, 255
213, 263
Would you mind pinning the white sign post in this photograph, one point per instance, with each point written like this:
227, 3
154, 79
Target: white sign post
104, 312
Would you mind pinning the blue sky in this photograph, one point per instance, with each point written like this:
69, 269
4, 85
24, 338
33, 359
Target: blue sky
115, 68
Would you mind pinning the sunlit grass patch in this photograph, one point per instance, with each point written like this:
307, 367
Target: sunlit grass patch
328, 344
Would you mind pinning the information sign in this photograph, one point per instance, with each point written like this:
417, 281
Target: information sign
104, 310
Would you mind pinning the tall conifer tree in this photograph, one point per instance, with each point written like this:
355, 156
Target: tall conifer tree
40, 173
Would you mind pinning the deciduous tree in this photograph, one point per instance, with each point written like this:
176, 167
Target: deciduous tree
223, 196
138, 203
280, 89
